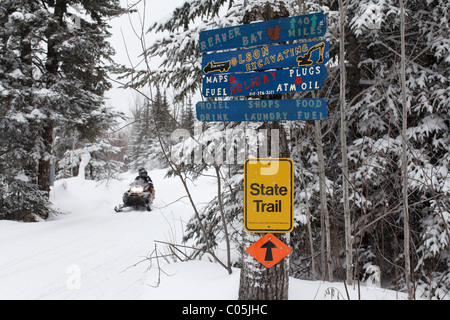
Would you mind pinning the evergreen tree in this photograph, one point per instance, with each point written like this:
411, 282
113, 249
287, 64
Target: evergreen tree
52, 75
373, 134
187, 117
374, 137
152, 122
20, 24
141, 135
162, 116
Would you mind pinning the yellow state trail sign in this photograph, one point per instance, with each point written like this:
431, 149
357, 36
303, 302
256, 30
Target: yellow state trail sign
268, 195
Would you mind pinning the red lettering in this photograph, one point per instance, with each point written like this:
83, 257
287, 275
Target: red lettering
273, 74
239, 87
245, 85
232, 90
257, 81
266, 79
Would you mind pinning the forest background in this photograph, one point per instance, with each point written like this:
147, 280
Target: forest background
53, 77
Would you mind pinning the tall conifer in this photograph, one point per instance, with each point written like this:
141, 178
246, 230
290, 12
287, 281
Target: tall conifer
53, 66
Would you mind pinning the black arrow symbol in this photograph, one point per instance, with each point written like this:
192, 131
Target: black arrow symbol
269, 246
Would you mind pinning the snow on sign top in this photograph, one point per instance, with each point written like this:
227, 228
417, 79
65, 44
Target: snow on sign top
260, 33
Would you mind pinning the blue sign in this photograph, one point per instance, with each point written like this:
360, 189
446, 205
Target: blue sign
264, 83
267, 57
261, 33
262, 110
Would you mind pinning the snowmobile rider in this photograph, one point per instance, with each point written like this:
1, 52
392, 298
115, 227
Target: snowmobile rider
144, 175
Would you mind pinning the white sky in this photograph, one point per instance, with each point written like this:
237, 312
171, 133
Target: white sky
124, 39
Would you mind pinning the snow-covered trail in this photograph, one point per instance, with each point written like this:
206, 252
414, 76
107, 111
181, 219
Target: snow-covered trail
86, 253
91, 252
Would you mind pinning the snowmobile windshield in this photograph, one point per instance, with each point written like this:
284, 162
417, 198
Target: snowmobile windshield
139, 182
138, 185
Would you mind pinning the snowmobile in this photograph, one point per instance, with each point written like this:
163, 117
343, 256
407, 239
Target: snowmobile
138, 196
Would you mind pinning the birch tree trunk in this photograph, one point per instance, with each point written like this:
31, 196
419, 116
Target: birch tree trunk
323, 201
343, 106
325, 232
308, 221
404, 157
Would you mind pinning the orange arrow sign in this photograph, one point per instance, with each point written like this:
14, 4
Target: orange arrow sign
269, 250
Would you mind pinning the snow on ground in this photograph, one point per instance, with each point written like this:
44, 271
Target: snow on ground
91, 252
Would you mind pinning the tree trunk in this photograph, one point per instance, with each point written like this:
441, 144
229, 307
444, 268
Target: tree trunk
52, 69
343, 79
45, 161
308, 223
323, 202
405, 158
259, 283
256, 281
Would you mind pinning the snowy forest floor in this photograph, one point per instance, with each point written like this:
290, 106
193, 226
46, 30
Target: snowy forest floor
91, 252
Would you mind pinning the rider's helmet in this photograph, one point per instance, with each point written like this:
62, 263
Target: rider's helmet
142, 172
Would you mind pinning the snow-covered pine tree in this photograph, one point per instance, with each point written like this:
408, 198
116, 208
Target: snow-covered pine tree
76, 72
138, 149
162, 116
153, 121
187, 116
53, 75
21, 23
374, 139
373, 134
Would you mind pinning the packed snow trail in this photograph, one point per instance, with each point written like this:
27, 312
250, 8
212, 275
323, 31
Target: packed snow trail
87, 252
91, 252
